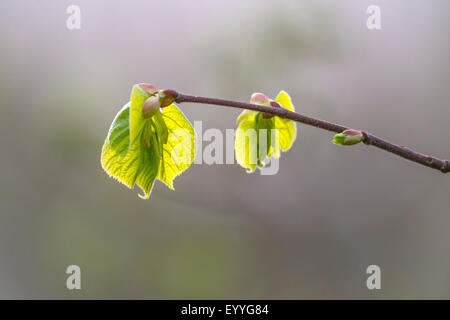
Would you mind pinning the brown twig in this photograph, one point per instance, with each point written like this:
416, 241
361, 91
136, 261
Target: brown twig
369, 139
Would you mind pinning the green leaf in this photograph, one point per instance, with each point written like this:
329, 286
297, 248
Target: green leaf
179, 151
287, 128
284, 99
246, 143
253, 145
245, 115
138, 150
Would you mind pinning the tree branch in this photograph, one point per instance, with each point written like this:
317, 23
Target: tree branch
369, 139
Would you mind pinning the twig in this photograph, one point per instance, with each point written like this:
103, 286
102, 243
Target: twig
369, 139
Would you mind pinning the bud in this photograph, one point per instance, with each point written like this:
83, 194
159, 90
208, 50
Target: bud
147, 87
151, 106
262, 100
168, 96
348, 137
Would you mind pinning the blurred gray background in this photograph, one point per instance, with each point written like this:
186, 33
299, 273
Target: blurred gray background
308, 232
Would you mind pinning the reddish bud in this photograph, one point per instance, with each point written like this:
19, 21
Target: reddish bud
274, 104
168, 96
262, 100
170, 93
147, 87
259, 98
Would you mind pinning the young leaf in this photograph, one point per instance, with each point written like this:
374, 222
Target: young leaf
138, 150
287, 128
259, 137
179, 150
246, 143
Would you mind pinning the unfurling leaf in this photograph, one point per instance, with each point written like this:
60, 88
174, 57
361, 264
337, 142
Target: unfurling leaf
348, 137
262, 135
146, 142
